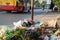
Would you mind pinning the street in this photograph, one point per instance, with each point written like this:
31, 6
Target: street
9, 18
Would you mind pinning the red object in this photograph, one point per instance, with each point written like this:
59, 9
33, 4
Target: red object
31, 21
11, 8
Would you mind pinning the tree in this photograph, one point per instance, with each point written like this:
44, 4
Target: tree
57, 3
28, 1
44, 3
37, 3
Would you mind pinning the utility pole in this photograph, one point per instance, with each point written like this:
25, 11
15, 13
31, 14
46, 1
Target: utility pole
32, 9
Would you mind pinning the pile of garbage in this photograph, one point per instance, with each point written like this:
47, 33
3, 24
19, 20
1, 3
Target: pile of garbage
22, 33
18, 34
26, 30
26, 23
36, 23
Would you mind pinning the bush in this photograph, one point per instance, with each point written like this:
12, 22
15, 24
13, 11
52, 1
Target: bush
16, 34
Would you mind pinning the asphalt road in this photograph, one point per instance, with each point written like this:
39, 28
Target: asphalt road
9, 18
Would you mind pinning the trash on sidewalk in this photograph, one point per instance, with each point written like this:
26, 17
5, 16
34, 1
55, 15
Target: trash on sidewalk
58, 22
58, 31
51, 23
23, 26
23, 23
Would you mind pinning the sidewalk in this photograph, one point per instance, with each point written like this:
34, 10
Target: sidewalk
47, 16
41, 10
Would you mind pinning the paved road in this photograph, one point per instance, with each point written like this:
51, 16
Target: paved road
9, 18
